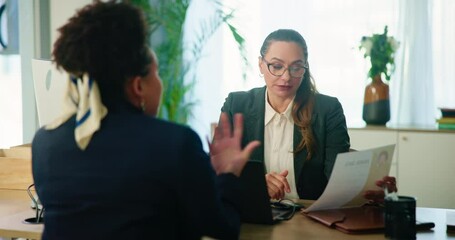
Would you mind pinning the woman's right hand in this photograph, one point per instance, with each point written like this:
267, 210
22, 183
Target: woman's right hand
277, 184
226, 153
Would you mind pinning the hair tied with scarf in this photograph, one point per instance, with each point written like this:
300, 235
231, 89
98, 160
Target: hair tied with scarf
82, 98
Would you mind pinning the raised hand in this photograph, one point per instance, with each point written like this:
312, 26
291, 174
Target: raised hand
226, 153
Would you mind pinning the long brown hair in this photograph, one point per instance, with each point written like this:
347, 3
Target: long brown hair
304, 99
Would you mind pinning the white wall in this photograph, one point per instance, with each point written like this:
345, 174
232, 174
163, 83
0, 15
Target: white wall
60, 11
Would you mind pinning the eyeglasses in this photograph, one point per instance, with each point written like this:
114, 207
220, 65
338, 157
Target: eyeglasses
278, 69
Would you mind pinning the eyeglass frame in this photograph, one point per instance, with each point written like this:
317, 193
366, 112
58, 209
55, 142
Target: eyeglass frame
268, 64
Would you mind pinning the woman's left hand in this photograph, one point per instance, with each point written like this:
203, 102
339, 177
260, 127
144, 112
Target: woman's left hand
378, 195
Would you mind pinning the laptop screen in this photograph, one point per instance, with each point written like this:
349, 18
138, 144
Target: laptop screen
255, 199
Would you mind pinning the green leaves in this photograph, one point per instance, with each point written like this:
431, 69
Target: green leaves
380, 49
166, 19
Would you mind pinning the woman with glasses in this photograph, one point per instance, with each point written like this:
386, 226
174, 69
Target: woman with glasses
302, 130
108, 169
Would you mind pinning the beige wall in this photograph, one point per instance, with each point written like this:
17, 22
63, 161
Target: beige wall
61, 11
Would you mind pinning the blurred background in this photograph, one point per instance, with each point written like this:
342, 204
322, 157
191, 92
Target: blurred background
423, 82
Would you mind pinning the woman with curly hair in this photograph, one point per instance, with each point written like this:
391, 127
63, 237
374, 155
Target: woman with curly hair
107, 168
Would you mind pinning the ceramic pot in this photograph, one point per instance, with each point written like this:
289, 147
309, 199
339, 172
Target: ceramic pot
376, 103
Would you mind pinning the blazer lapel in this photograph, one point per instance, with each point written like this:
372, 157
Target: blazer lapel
254, 124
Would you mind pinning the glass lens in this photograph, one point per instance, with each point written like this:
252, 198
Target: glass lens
296, 71
278, 70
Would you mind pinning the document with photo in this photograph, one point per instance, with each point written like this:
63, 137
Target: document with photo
353, 174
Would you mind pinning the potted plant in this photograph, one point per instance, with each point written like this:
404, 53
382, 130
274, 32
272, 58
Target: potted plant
166, 19
380, 49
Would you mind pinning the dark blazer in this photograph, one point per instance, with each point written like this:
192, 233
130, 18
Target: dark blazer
329, 130
139, 178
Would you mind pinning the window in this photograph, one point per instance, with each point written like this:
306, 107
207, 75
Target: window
10, 101
332, 29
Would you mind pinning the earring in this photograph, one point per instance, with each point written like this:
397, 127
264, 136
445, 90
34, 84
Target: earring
143, 106
261, 75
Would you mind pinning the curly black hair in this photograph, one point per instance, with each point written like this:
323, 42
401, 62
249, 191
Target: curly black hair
108, 41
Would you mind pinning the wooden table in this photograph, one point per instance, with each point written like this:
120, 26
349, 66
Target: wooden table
301, 227
14, 208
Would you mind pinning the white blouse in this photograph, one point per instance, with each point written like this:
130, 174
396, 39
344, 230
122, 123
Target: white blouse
278, 144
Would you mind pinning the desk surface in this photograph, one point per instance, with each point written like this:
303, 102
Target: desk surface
15, 207
301, 227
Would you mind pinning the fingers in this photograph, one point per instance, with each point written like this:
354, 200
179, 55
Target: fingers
389, 182
275, 192
284, 174
250, 148
238, 126
224, 129
389, 178
217, 134
225, 125
226, 152
209, 142
277, 185
378, 195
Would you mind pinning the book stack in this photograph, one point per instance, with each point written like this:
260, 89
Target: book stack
447, 121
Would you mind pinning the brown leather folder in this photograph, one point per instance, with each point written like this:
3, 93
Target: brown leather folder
362, 219
357, 220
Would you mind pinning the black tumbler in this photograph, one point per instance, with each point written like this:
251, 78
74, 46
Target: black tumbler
400, 218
